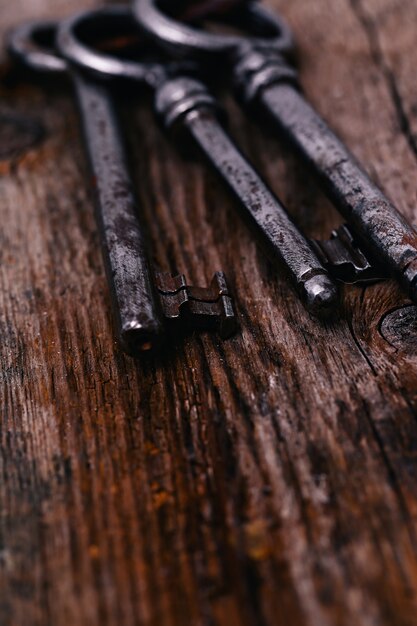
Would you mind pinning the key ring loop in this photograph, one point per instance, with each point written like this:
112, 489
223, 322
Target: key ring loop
32, 45
72, 41
183, 40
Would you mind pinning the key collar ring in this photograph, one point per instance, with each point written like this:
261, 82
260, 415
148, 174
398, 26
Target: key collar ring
183, 40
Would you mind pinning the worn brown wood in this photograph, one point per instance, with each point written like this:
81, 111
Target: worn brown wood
263, 481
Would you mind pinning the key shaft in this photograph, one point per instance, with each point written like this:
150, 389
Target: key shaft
135, 304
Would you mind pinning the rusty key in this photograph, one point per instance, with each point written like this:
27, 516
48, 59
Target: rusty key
268, 83
185, 105
143, 301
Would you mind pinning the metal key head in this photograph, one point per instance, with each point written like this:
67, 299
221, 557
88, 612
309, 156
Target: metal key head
93, 39
263, 30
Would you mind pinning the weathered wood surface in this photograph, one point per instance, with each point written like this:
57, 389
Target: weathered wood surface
263, 481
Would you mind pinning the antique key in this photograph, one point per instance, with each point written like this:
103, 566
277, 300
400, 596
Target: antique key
268, 83
143, 301
184, 104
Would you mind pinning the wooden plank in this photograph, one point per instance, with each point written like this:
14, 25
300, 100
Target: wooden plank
262, 481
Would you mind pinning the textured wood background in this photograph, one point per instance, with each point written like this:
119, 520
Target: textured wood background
263, 481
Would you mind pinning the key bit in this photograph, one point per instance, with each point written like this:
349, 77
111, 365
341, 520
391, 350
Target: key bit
208, 308
346, 261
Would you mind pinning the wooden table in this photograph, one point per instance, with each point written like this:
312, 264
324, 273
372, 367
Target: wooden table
268, 480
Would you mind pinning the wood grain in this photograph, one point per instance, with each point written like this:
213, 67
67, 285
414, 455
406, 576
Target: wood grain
263, 481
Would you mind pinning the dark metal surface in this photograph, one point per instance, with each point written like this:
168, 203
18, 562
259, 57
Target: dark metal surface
185, 103
268, 84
